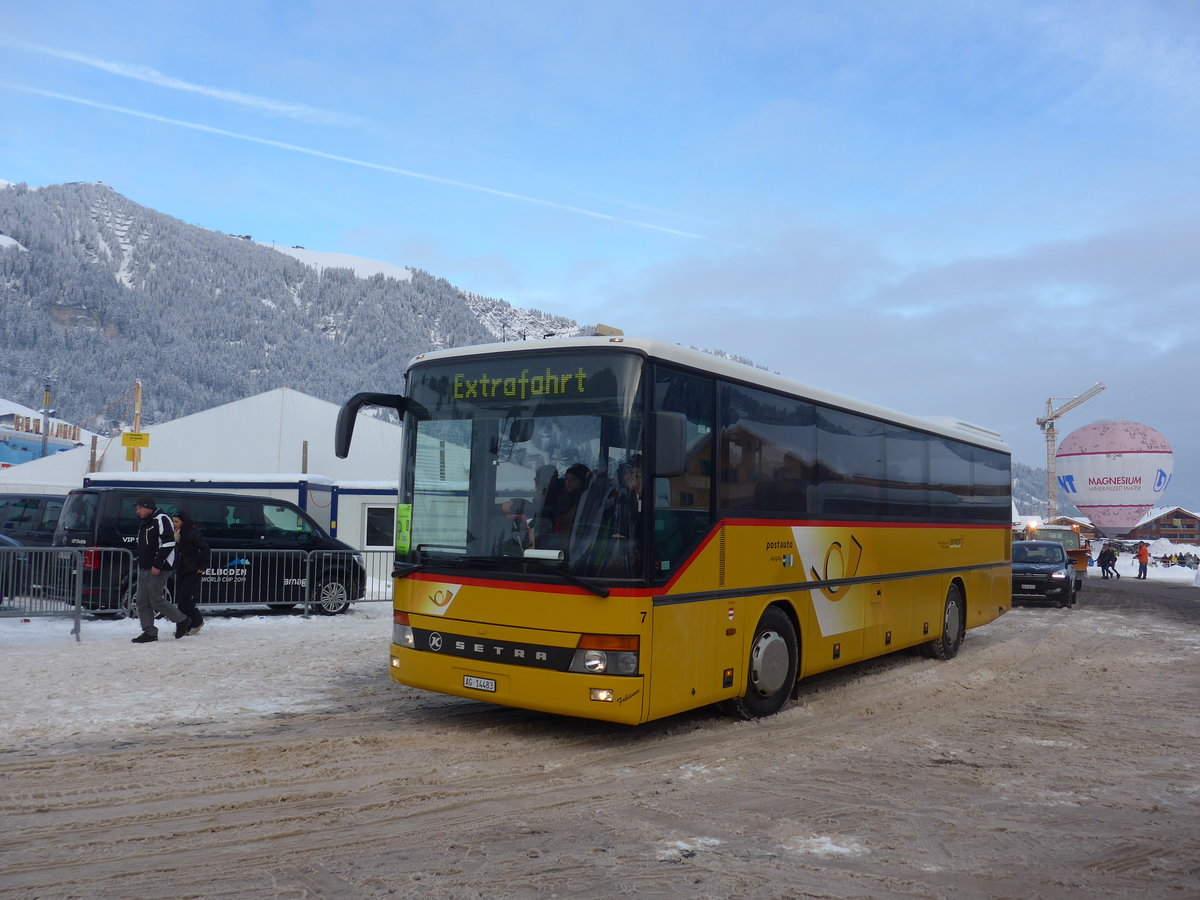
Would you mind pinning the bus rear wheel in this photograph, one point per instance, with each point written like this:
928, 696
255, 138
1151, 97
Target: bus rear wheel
953, 625
771, 668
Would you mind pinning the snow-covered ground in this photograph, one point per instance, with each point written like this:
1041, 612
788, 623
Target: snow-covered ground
236, 668
1127, 565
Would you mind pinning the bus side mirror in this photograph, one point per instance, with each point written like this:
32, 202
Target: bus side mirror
670, 444
349, 412
520, 431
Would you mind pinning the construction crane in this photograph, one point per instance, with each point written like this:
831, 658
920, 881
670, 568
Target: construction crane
1046, 423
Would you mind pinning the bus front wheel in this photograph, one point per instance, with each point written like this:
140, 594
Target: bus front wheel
771, 668
953, 621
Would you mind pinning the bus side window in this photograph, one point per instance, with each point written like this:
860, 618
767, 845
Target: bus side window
683, 503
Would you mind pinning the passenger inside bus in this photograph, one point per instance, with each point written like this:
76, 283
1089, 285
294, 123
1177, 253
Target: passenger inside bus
546, 489
562, 507
512, 534
623, 522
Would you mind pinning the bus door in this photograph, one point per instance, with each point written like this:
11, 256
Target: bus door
687, 631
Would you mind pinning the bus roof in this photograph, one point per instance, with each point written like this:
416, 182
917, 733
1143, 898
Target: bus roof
736, 371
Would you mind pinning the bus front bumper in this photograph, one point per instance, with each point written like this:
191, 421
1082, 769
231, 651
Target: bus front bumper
611, 698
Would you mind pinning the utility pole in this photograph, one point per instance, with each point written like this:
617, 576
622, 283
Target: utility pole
137, 420
1046, 423
47, 412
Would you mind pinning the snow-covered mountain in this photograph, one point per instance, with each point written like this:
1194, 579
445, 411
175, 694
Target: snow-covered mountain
97, 291
359, 265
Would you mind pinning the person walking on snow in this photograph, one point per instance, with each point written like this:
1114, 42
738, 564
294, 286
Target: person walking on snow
155, 559
1143, 558
191, 561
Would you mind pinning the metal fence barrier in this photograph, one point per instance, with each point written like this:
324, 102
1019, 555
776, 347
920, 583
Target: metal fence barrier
59, 581
41, 581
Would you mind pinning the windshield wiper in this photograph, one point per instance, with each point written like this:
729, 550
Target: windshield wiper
510, 562
589, 586
522, 564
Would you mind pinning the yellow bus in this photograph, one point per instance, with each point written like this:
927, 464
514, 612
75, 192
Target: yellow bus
623, 529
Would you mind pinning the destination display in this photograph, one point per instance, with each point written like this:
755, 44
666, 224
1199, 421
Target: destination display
533, 384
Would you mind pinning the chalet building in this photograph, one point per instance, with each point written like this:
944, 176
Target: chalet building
1174, 523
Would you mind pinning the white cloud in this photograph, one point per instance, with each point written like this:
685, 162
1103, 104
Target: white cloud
287, 108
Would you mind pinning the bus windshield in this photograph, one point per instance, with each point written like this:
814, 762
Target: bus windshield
514, 456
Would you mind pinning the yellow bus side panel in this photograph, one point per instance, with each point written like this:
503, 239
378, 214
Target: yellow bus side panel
841, 623
694, 640
694, 644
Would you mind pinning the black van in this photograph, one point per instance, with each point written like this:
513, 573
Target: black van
30, 518
263, 550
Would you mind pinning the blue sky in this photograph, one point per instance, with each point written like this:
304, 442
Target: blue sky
951, 208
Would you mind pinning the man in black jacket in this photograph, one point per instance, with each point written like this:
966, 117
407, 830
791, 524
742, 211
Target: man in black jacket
155, 559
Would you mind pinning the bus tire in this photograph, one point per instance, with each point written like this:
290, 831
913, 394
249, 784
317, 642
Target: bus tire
953, 622
332, 596
771, 668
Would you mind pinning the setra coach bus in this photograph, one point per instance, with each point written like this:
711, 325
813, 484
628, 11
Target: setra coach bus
623, 529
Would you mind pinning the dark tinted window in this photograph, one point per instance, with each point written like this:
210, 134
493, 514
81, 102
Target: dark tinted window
993, 487
952, 480
767, 453
381, 526
906, 470
788, 458
850, 465
233, 518
17, 513
79, 513
51, 510
128, 521
228, 519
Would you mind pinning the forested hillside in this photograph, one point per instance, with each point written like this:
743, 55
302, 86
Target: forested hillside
97, 291
1029, 492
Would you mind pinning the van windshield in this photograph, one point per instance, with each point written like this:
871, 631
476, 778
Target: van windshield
78, 513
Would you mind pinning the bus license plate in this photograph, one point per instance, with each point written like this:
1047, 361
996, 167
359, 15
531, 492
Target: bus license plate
479, 684
1028, 587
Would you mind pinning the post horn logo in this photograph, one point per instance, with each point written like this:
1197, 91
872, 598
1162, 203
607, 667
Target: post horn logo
848, 568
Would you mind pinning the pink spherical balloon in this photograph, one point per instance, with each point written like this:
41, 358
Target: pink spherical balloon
1114, 472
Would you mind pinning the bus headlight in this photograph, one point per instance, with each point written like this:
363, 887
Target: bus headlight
605, 662
402, 632
606, 654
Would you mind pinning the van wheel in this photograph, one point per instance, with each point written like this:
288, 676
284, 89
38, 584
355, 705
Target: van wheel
953, 621
332, 597
771, 668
